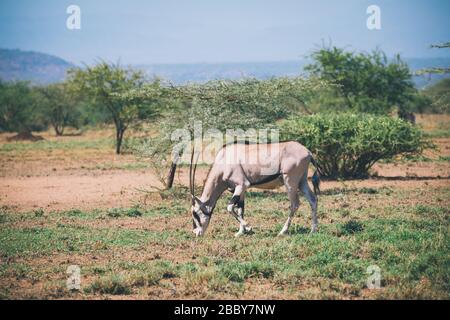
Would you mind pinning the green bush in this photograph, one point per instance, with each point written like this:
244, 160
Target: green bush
350, 227
365, 82
121, 212
348, 145
19, 108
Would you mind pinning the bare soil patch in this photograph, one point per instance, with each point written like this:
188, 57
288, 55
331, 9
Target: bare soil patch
84, 172
107, 189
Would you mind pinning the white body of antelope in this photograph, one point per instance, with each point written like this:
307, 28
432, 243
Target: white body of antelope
240, 166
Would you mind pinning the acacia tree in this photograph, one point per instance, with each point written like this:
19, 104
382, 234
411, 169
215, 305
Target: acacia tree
439, 93
367, 82
60, 106
222, 105
106, 85
436, 70
248, 102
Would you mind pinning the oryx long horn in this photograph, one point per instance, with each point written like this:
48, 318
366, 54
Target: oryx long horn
193, 176
191, 189
192, 173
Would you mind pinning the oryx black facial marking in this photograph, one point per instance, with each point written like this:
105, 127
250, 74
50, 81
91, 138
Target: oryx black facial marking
195, 219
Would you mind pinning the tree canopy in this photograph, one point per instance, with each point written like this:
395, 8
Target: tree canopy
367, 82
60, 106
19, 108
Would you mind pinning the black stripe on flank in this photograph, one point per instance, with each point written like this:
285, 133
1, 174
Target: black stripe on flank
266, 179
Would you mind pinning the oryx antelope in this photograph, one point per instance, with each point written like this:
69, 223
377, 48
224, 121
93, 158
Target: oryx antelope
239, 166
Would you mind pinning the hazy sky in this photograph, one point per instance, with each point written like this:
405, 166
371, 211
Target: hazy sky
169, 31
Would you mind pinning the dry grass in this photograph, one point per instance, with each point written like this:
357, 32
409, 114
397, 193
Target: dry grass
435, 125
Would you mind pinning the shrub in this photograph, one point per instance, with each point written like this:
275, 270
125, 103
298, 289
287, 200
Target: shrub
121, 212
19, 109
133, 212
39, 212
115, 285
350, 227
348, 145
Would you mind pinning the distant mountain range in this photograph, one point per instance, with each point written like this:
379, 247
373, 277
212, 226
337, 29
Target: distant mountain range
43, 68
36, 67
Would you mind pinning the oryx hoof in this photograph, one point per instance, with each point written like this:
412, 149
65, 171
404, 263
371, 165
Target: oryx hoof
243, 230
239, 234
198, 232
283, 233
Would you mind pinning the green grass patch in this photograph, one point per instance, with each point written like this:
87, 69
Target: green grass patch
66, 144
239, 271
408, 242
438, 133
32, 241
121, 166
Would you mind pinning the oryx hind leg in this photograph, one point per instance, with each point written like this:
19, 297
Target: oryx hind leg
291, 183
312, 199
236, 209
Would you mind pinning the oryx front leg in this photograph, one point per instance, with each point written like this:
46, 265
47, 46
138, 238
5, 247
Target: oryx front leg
236, 208
292, 190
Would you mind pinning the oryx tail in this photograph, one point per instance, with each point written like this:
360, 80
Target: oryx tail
316, 177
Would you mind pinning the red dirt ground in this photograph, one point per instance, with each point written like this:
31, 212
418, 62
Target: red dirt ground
65, 179
120, 188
